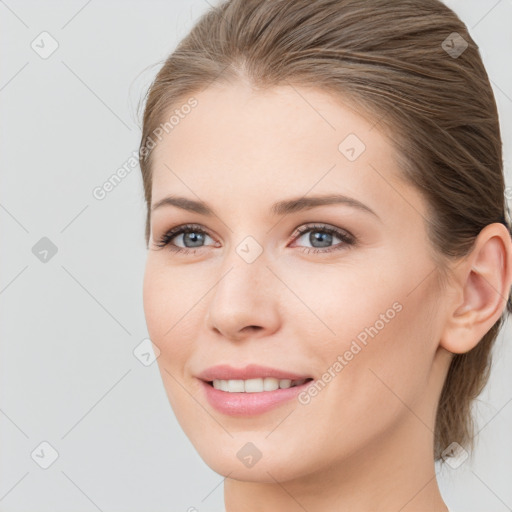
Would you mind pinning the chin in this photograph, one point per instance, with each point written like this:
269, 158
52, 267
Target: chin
259, 460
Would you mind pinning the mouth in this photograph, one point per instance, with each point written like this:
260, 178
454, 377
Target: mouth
256, 385
251, 397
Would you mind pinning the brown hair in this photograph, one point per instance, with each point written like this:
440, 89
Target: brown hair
414, 67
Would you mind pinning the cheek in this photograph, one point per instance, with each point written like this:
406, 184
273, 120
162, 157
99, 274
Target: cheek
165, 320
348, 302
163, 306
382, 347
153, 298
174, 311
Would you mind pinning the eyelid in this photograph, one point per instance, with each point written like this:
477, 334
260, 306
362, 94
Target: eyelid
304, 228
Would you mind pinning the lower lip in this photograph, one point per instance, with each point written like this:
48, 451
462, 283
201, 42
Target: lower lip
249, 404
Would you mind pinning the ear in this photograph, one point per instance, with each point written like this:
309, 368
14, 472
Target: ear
482, 286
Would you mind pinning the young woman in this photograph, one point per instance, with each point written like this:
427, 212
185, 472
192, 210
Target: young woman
329, 251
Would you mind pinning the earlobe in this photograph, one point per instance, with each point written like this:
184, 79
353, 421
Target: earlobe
483, 280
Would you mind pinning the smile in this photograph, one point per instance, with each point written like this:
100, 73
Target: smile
242, 403
257, 385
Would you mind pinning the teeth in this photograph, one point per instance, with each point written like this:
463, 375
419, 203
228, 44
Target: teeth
255, 385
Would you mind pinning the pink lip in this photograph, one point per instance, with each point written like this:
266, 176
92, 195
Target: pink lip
249, 404
252, 371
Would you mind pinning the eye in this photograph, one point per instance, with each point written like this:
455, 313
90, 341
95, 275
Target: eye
321, 236
193, 236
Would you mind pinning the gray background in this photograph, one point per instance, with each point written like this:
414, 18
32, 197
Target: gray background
68, 375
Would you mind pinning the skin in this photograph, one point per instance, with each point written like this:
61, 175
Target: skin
365, 441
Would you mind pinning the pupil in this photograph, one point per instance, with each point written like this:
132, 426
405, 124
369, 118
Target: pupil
319, 236
196, 237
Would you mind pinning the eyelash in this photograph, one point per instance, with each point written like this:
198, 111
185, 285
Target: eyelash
346, 238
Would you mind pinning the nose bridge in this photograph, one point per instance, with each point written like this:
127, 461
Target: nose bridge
241, 296
244, 275
246, 259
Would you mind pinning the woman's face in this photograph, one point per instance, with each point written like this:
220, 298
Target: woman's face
356, 309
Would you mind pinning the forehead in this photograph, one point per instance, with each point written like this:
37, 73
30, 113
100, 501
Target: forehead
238, 143
280, 120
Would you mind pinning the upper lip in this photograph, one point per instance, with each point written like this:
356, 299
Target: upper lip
252, 371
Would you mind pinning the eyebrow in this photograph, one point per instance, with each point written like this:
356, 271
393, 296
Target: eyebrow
284, 207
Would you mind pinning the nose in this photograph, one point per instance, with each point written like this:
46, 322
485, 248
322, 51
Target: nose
245, 302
